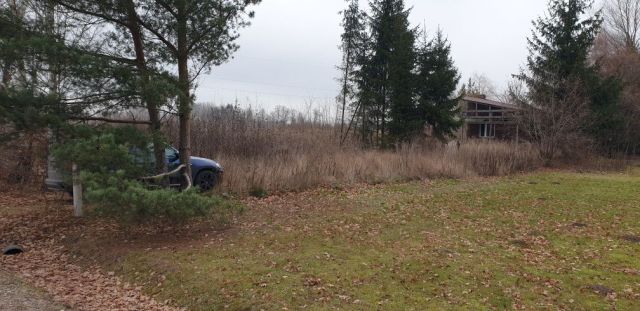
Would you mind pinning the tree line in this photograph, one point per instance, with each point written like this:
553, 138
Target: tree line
396, 80
577, 90
578, 87
569, 103
63, 59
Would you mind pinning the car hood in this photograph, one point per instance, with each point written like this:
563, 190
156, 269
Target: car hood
202, 162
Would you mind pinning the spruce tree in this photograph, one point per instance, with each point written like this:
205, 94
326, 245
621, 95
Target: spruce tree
363, 107
391, 71
352, 48
560, 44
436, 83
569, 97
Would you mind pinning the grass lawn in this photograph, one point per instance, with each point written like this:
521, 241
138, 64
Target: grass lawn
542, 241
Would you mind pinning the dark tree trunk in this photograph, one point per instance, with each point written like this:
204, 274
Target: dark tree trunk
185, 88
345, 93
152, 105
6, 76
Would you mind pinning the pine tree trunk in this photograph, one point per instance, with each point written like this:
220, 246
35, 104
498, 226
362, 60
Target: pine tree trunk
152, 106
6, 75
364, 124
383, 118
184, 102
345, 93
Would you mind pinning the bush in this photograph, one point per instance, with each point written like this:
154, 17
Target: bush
105, 150
258, 192
129, 200
112, 160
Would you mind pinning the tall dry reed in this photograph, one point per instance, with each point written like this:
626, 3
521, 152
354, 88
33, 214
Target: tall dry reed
322, 167
270, 153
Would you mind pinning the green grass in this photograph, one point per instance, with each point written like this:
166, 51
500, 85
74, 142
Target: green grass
534, 242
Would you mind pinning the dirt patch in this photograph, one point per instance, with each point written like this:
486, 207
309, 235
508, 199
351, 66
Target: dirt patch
311, 282
19, 202
601, 290
105, 242
536, 233
15, 295
520, 243
631, 238
48, 265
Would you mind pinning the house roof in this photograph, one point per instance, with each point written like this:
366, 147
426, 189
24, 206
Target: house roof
489, 102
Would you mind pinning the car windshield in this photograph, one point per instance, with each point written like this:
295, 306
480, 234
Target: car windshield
146, 157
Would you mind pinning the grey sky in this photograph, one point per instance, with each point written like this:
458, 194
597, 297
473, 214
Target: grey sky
288, 55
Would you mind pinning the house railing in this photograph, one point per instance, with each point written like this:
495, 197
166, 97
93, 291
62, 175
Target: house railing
490, 114
506, 116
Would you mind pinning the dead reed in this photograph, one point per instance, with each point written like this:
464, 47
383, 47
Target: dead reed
267, 153
321, 167
286, 151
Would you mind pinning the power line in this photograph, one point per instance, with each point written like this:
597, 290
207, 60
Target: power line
269, 93
274, 84
293, 62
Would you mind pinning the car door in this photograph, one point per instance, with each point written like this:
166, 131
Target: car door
173, 161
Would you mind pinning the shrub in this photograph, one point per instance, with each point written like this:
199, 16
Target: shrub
115, 196
105, 150
258, 192
112, 160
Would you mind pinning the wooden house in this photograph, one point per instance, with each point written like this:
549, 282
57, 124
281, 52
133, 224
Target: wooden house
488, 119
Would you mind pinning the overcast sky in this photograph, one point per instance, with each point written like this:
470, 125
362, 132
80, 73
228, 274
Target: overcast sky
289, 54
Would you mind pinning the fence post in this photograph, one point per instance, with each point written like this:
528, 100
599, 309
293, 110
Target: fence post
77, 192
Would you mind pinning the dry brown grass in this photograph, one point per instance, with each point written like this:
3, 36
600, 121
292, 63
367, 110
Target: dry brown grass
268, 153
335, 167
590, 162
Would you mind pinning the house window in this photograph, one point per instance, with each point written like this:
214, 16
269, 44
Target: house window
487, 130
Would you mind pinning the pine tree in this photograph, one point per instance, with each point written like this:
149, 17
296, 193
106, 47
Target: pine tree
29, 57
194, 36
153, 36
569, 98
390, 71
561, 43
436, 83
363, 106
352, 48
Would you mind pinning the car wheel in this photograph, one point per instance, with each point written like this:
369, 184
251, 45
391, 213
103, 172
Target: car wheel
206, 180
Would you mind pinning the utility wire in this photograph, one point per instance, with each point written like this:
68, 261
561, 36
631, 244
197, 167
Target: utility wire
273, 84
267, 93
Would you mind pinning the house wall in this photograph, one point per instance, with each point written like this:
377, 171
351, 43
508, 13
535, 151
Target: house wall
478, 122
502, 131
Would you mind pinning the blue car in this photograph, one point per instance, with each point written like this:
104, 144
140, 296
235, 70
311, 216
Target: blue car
206, 173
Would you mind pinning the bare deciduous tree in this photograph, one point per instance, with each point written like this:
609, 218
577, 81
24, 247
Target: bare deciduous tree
617, 50
557, 126
623, 22
480, 85
625, 65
